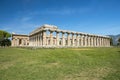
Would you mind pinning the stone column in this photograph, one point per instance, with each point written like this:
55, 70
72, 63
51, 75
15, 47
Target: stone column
68, 39
40, 38
99, 41
81, 37
36, 39
72, 39
51, 38
89, 41
44, 37
77, 40
105, 42
17, 42
63, 39
57, 38
94, 41
31, 41
85, 39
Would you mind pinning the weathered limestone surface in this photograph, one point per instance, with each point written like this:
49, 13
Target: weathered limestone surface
61, 38
73, 39
20, 40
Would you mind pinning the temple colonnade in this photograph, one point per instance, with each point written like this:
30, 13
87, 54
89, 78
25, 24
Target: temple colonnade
50, 36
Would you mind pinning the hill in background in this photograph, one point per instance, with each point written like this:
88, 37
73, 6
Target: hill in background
115, 38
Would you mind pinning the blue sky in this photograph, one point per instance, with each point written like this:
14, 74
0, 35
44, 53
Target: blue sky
90, 16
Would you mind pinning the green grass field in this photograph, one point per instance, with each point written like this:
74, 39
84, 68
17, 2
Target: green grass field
60, 64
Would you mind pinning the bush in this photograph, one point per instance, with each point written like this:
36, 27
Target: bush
5, 42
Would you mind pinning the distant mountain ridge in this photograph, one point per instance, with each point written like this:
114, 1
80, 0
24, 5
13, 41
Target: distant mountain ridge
115, 38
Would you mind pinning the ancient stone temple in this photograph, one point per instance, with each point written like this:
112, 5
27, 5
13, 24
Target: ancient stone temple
51, 36
20, 40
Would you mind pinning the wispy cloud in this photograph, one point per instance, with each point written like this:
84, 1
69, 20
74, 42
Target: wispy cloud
24, 19
63, 11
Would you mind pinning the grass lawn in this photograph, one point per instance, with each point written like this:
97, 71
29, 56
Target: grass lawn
60, 64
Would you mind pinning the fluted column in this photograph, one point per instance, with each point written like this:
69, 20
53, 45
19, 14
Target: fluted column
41, 38
94, 41
68, 39
100, 41
72, 39
85, 39
57, 38
37, 39
81, 37
63, 39
34, 39
44, 38
104, 42
77, 40
17, 42
89, 41
51, 38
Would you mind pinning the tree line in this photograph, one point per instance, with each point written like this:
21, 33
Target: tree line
4, 38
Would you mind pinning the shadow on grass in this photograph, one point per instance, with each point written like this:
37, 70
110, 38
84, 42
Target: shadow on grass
118, 51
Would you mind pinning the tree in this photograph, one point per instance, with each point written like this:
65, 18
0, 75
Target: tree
4, 41
111, 41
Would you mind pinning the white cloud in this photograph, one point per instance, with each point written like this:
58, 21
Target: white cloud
25, 19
